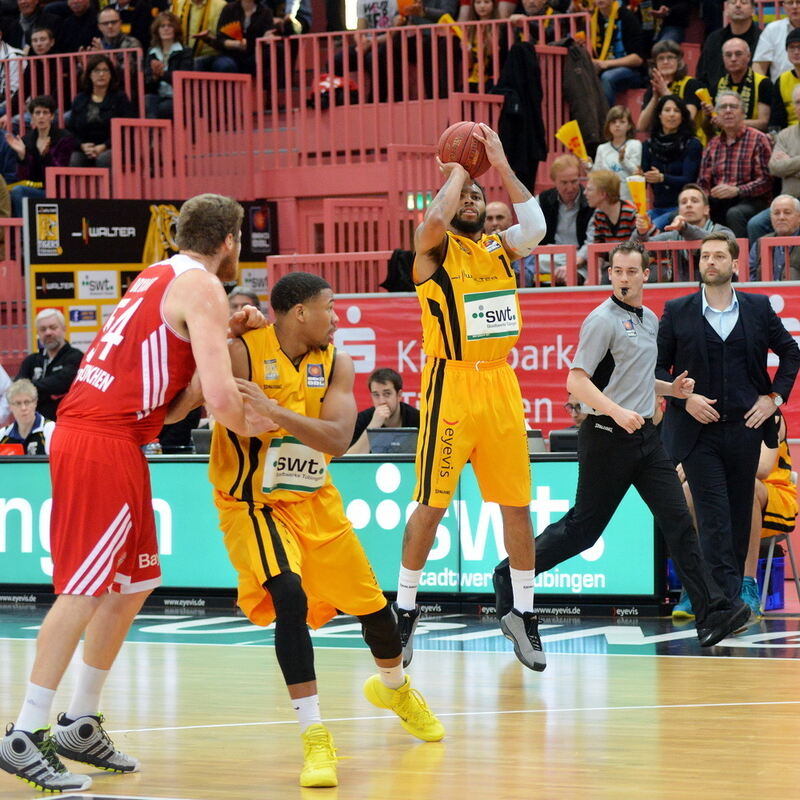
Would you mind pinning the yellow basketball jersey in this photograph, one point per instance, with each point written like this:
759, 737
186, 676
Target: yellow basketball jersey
275, 467
470, 308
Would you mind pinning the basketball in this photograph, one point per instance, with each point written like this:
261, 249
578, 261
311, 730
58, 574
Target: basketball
458, 144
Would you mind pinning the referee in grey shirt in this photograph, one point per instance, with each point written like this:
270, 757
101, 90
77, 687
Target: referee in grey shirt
613, 373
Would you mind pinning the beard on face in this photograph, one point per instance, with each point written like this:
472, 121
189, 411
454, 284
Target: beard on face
465, 226
228, 268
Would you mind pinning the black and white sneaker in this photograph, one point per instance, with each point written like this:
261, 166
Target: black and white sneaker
407, 623
523, 631
84, 740
32, 757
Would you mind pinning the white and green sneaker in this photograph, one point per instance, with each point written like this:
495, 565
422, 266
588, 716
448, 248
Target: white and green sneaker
32, 757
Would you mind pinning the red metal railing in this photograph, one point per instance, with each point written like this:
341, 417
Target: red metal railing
213, 126
347, 273
767, 246
13, 314
384, 87
142, 159
59, 76
667, 260
86, 183
354, 225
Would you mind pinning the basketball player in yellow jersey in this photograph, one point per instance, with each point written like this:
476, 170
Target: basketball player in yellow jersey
471, 402
295, 552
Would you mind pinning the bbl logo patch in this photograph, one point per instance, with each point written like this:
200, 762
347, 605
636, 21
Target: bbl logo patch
629, 327
491, 245
271, 369
315, 375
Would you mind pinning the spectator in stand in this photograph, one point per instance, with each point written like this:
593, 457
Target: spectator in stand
45, 76
669, 76
691, 224
783, 112
32, 16
53, 369
566, 213
93, 108
44, 145
785, 218
165, 56
754, 89
198, 18
30, 430
740, 25
137, 16
241, 23
614, 220
734, 171
111, 36
616, 48
621, 152
529, 12
388, 410
78, 28
481, 44
670, 158
498, 217
8, 169
671, 18
784, 164
770, 57
241, 296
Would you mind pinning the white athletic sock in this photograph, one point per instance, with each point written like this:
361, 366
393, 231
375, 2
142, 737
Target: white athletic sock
307, 710
86, 699
407, 584
392, 677
522, 584
36, 707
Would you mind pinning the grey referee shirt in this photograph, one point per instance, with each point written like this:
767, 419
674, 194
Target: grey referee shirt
618, 350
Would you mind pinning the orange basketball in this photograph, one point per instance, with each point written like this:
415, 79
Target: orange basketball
458, 144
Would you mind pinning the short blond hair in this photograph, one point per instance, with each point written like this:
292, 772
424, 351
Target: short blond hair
21, 386
565, 161
606, 181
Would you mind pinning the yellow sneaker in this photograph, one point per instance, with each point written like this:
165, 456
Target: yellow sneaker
319, 759
409, 705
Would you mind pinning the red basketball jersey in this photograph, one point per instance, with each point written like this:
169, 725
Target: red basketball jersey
136, 364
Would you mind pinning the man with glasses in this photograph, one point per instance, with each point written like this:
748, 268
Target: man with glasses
754, 89
740, 25
111, 36
29, 429
734, 172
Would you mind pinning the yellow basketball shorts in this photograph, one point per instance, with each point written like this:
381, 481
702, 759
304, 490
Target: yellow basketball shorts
472, 411
780, 512
312, 538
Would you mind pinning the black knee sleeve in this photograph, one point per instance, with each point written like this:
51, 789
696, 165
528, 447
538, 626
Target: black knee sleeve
381, 634
292, 640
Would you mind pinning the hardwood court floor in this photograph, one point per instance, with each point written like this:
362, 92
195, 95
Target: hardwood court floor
212, 722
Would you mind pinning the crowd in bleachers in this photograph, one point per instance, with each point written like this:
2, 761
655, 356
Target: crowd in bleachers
739, 149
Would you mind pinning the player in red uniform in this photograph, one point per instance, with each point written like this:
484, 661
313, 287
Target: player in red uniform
136, 376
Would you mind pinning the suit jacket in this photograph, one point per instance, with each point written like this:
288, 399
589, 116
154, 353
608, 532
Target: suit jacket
682, 346
548, 201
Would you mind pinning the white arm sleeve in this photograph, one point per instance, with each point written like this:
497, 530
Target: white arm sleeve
530, 229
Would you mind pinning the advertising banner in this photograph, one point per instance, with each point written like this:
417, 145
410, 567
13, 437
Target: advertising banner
81, 255
384, 331
376, 494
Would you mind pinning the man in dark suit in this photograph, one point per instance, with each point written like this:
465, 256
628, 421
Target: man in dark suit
722, 337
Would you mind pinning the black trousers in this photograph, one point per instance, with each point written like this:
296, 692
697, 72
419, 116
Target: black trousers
721, 472
610, 461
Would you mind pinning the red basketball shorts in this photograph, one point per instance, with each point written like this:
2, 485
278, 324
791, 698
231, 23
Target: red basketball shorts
102, 529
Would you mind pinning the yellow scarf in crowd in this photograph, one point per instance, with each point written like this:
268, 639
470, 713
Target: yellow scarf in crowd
609, 34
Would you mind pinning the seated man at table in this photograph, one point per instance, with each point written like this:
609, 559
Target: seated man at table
387, 411
784, 214
29, 430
